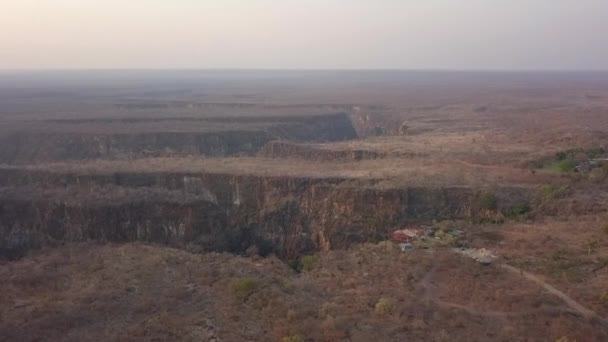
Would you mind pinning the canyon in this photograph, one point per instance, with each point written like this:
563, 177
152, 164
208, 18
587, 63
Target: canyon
263, 208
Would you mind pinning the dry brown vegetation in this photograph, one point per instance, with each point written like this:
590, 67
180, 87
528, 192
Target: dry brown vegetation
488, 134
370, 292
389, 170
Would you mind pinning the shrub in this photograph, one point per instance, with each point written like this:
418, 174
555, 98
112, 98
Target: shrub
604, 297
518, 209
592, 246
565, 161
550, 192
561, 155
444, 225
293, 338
565, 165
440, 233
592, 153
384, 307
488, 201
244, 287
595, 152
309, 261
377, 131
295, 264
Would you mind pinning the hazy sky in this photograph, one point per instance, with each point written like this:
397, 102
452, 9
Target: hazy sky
404, 34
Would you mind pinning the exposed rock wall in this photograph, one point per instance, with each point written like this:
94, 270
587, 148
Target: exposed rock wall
241, 139
288, 216
284, 149
31, 224
24, 147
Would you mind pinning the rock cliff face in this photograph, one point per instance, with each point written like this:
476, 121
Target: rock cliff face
283, 149
24, 147
219, 212
200, 210
216, 137
30, 224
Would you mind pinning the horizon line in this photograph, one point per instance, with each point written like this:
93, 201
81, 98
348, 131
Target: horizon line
185, 69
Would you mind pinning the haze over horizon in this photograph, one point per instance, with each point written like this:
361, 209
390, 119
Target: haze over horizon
320, 34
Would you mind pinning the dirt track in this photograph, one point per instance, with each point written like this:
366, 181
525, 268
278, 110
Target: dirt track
574, 305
